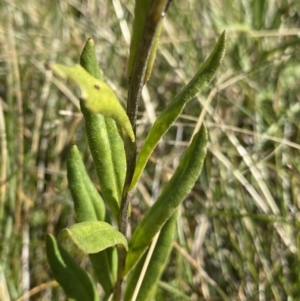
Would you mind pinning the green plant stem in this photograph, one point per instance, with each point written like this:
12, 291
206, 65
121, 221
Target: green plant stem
119, 288
136, 83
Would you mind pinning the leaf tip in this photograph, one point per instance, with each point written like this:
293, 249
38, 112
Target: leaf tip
90, 42
48, 237
222, 42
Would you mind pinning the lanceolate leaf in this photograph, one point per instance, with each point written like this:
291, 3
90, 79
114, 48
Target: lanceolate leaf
74, 280
108, 152
140, 13
88, 204
145, 35
171, 196
156, 265
105, 143
152, 54
105, 268
89, 61
94, 236
204, 75
105, 156
96, 94
141, 21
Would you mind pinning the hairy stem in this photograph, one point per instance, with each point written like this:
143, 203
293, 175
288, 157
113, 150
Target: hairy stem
136, 83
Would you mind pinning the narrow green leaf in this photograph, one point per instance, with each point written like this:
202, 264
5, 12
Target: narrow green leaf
156, 265
96, 199
107, 149
96, 94
104, 269
74, 280
118, 157
88, 204
109, 158
204, 75
142, 10
152, 54
176, 293
106, 145
140, 16
171, 196
88, 60
93, 236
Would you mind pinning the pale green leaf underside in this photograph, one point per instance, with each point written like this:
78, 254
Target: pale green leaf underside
96, 94
93, 236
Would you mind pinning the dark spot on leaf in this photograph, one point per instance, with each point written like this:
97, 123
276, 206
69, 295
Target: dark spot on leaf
97, 87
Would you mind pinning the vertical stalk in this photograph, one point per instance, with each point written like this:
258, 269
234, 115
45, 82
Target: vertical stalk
20, 120
136, 82
4, 160
25, 280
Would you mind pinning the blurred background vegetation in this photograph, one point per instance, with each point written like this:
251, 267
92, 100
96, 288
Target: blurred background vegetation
237, 236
